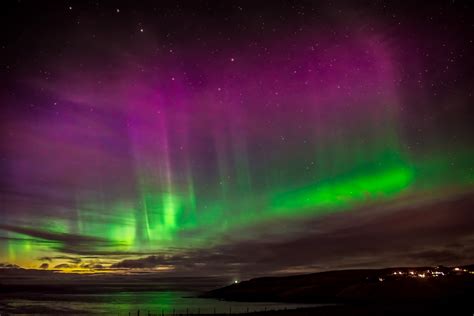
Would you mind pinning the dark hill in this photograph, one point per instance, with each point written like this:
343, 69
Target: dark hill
353, 286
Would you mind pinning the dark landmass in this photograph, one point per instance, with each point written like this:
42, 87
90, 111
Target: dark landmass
392, 284
421, 290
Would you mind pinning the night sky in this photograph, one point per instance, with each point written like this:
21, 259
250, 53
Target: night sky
237, 137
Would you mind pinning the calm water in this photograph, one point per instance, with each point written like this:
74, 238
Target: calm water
124, 302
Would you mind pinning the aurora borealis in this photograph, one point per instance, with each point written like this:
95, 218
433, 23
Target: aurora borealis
235, 137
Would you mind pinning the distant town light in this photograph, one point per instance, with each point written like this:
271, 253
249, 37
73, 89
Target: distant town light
236, 281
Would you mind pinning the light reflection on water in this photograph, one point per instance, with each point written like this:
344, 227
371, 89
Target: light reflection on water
122, 303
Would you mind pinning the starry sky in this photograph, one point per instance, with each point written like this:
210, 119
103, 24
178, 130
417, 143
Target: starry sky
237, 137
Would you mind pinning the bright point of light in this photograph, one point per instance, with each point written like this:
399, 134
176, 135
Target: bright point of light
235, 282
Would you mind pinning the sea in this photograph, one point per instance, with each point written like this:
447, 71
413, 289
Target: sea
132, 303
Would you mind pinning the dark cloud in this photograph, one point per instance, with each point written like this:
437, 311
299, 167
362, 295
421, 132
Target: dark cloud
428, 234
29, 240
74, 260
417, 234
147, 262
431, 233
64, 242
63, 266
90, 263
62, 237
94, 266
45, 259
4, 265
